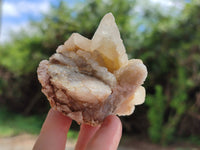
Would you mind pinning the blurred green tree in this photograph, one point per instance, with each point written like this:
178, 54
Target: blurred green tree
172, 53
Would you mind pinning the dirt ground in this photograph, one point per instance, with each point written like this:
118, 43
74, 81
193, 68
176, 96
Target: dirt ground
26, 142
136, 143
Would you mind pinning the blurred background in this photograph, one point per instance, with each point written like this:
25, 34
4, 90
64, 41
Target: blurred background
164, 34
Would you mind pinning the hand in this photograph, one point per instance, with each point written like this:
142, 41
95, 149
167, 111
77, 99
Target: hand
53, 134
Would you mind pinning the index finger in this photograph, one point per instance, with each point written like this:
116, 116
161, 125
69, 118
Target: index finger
53, 134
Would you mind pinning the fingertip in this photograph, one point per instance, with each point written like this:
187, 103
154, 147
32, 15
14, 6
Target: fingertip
112, 120
109, 133
59, 116
85, 135
56, 119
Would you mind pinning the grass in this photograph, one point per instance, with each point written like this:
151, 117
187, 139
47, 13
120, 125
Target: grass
13, 124
194, 140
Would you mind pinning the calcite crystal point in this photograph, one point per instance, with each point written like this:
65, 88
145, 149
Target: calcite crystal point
87, 80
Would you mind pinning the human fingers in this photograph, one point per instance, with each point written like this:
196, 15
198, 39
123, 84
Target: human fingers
53, 134
85, 134
108, 136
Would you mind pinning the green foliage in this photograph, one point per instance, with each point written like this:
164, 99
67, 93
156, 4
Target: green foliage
72, 134
161, 130
178, 106
156, 112
13, 124
194, 140
172, 63
22, 56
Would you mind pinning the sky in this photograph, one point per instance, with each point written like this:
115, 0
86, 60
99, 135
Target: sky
17, 13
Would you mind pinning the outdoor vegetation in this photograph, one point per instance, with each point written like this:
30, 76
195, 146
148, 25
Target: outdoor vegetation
168, 42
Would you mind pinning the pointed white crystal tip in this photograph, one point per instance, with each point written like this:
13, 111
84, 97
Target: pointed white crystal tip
108, 44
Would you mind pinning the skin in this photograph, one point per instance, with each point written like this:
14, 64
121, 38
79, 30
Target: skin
53, 135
